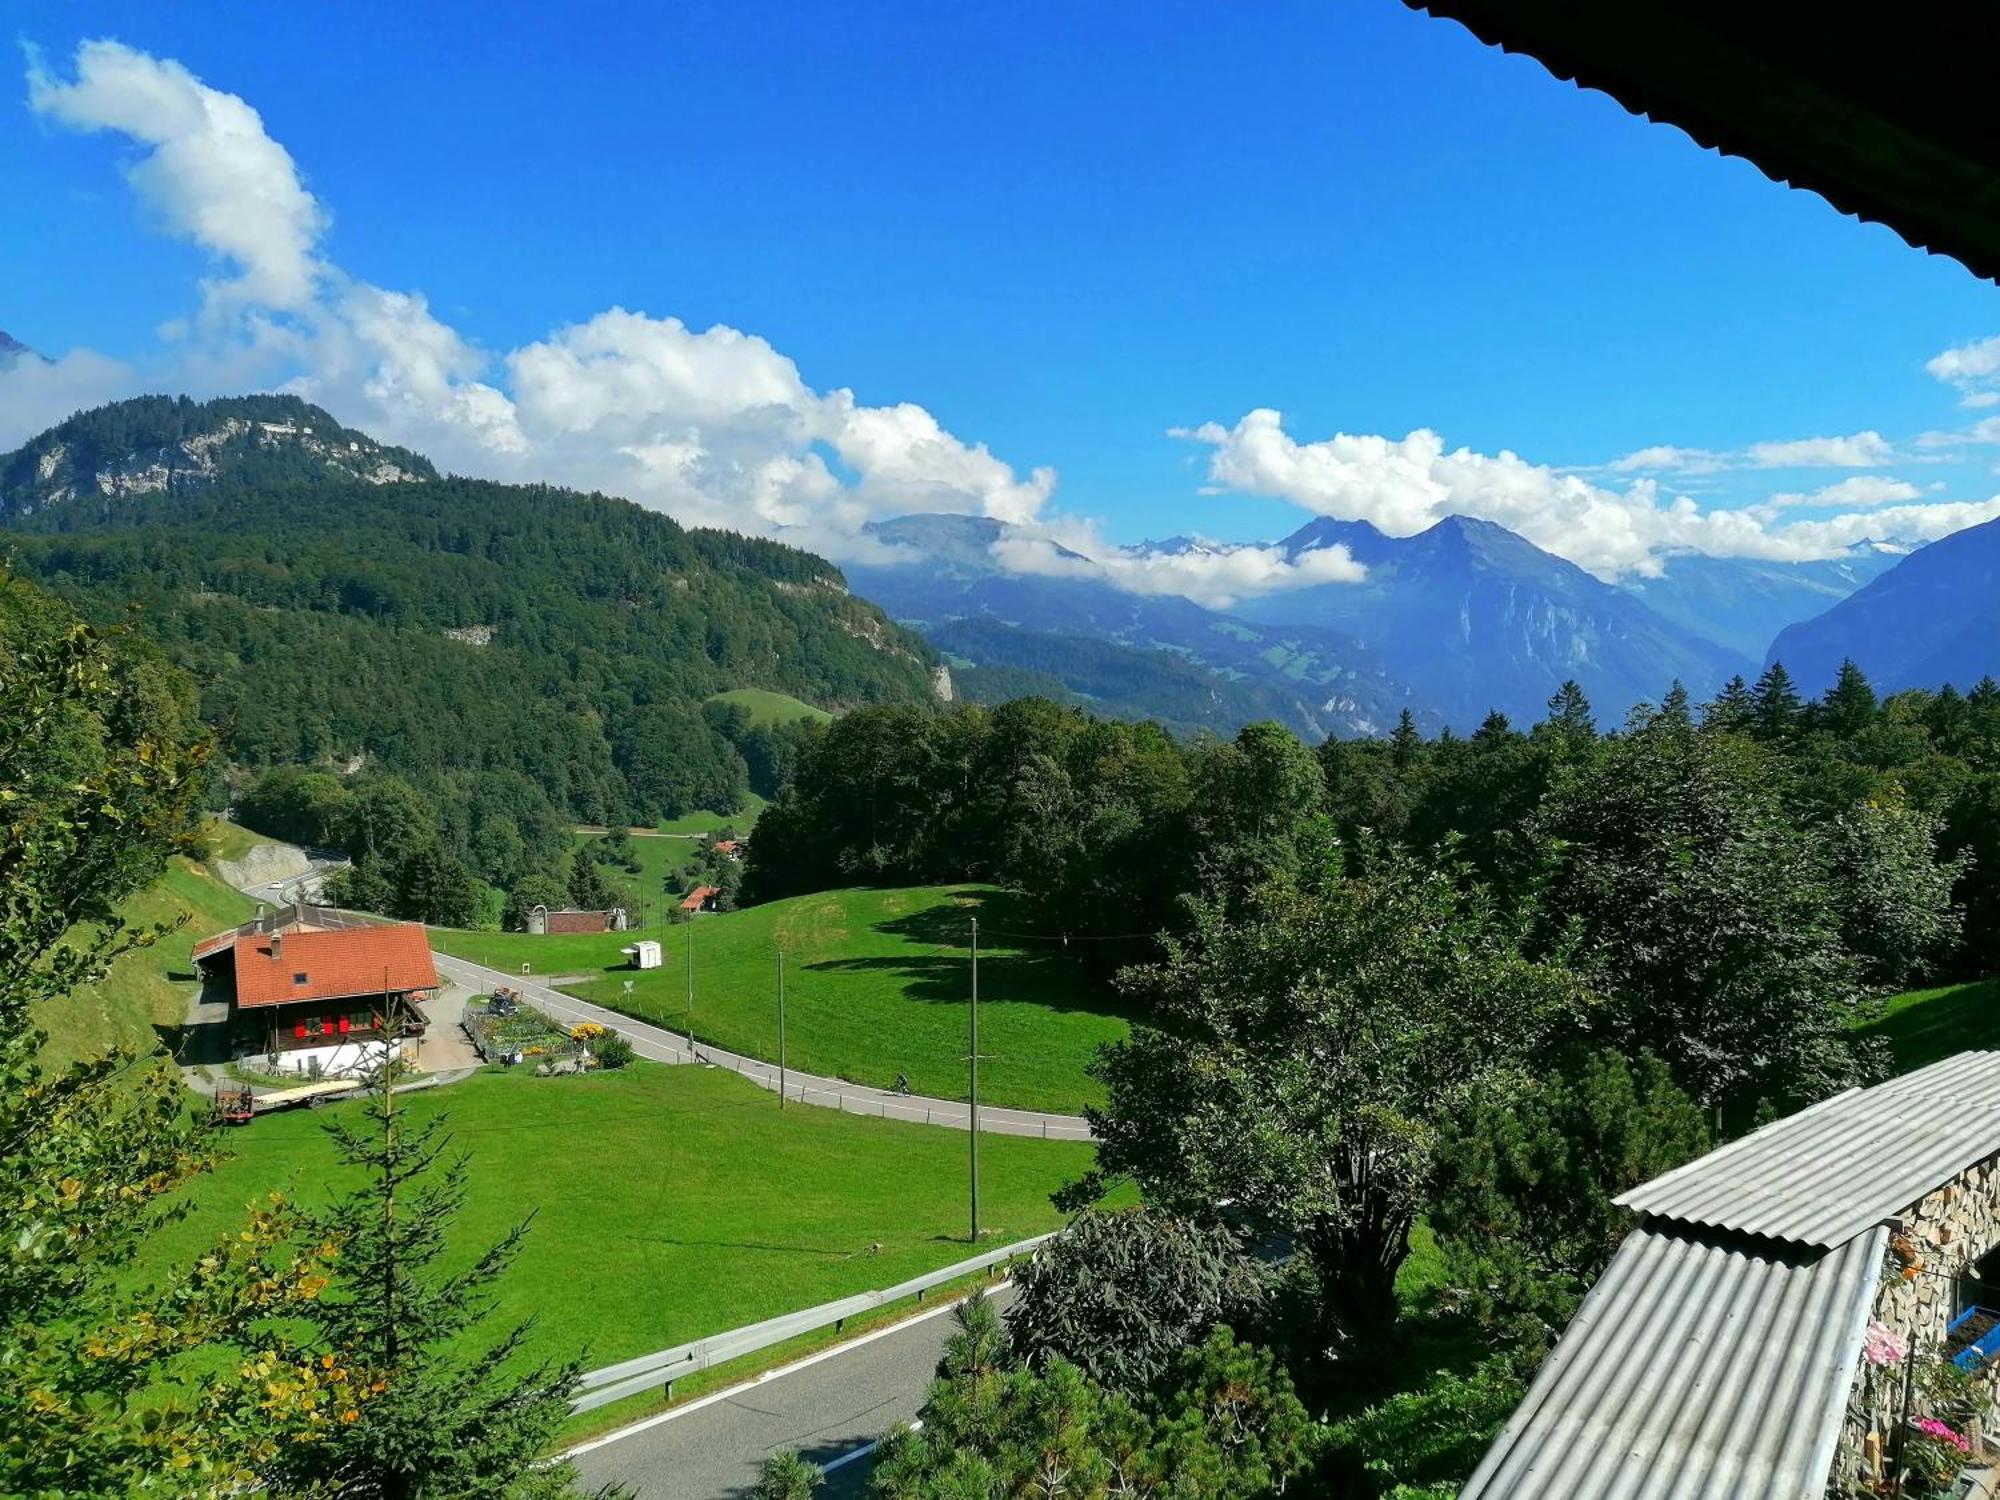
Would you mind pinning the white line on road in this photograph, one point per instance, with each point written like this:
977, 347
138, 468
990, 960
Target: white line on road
847, 1346
916, 1425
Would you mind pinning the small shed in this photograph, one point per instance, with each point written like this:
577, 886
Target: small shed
644, 954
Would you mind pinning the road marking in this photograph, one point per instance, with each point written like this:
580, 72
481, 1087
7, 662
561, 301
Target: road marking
916, 1425
672, 1413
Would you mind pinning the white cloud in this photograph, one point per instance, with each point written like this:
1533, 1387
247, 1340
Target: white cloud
1858, 491
1406, 485
213, 176
1973, 369
1666, 458
1216, 574
37, 393
715, 425
1861, 450
720, 428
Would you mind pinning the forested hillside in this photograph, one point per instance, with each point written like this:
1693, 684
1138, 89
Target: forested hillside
435, 628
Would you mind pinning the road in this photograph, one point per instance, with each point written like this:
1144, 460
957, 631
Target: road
826, 1406
661, 1045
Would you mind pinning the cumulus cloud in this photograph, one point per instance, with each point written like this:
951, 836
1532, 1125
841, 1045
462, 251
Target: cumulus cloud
213, 175
1972, 369
715, 425
1405, 485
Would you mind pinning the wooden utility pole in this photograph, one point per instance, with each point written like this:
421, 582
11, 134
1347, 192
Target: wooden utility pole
687, 949
972, 1058
781, 1028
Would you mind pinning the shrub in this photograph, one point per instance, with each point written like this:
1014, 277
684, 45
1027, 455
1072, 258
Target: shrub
612, 1050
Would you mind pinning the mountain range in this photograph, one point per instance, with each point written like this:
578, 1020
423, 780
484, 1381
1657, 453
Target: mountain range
1475, 618
1318, 680
342, 602
1743, 602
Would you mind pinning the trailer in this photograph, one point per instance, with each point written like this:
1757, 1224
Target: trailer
240, 1104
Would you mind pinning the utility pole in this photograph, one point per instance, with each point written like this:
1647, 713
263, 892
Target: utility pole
972, 1058
687, 949
781, 1028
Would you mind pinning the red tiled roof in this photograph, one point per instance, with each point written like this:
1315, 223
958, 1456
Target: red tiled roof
319, 965
698, 897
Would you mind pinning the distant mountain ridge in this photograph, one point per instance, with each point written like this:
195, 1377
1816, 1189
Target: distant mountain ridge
1931, 619
1743, 602
1474, 617
1316, 680
160, 444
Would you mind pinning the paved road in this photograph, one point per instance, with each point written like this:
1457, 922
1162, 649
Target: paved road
825, 1407
662, 1045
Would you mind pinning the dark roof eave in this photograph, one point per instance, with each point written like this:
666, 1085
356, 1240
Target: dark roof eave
1864, 116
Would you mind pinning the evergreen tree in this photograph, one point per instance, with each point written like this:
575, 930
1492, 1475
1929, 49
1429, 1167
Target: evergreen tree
1406, 742
1734, 710
1122, 1295
1777, 712
1849, 707
588, 890
786, 1476
1225, 1425
432, 1411
1570, 720
434, 887
1522, 1206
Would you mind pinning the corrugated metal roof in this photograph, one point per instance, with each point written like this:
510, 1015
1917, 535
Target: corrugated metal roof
1822, 1176
1693, 1371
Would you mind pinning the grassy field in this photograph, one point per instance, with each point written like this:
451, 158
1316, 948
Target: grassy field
670, 1202
771, 708
1922, 1026
151, 986
876, 985
697, 823
657, 859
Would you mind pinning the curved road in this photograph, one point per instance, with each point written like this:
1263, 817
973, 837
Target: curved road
661, 1045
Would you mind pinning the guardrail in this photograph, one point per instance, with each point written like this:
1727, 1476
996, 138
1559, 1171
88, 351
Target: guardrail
645, 1372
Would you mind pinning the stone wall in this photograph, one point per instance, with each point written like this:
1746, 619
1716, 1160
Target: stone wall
1934, 1242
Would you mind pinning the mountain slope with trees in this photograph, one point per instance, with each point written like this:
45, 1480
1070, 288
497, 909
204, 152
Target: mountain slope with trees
1934, 617
435, 627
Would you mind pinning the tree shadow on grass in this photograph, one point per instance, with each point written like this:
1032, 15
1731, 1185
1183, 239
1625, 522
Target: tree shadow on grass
1952, 1020
1045, 974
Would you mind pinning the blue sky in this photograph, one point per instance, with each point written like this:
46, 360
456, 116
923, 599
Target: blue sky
1060, 231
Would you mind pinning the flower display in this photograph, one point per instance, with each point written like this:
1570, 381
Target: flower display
1884, 1346
1943, 1432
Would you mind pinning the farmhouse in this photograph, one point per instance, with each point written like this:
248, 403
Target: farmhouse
702, 898
1777, 1323
305, 993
